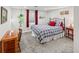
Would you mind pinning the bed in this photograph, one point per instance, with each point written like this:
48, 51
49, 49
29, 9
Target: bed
45, 33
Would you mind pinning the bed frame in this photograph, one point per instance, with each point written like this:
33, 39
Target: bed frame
54, 37
61, 20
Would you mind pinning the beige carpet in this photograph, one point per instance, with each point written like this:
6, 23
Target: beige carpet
30, 45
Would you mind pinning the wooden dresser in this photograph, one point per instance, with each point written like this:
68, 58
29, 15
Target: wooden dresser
9, 42
0, 44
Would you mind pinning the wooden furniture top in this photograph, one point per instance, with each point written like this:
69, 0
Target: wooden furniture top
69, 28
0, 38
9, 41
8, 36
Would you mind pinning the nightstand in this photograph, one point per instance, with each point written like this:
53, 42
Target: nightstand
69, 32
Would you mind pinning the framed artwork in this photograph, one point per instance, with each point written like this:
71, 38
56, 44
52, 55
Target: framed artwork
3, 15
64, 12
61, 13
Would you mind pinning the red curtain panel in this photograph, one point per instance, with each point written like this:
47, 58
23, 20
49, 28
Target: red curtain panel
27, 18
36, 17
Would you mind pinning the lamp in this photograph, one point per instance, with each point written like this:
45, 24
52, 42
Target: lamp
70, 25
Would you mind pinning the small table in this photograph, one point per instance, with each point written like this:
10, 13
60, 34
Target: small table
9, 42
69, 32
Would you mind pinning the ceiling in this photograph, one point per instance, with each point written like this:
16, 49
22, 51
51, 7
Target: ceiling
43, 8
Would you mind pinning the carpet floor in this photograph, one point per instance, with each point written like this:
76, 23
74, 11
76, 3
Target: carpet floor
30, 45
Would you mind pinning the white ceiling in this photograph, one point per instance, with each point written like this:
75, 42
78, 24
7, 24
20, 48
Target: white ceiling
43, 8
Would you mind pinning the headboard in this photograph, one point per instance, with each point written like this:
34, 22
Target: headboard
60, 20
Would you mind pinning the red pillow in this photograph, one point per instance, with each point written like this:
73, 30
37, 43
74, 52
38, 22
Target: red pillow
52, 23
61, 25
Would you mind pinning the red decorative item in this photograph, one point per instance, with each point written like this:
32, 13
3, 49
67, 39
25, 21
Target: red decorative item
52, 23
61, 24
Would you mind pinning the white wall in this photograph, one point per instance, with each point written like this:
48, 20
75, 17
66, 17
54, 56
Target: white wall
68, 18
16, 12
76, 29
15, 18
31, 18
6, 26
42, 20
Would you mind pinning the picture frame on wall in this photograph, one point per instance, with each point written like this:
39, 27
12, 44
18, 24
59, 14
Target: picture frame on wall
66, 12
3, 15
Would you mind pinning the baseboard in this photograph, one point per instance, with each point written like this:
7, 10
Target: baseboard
26, 31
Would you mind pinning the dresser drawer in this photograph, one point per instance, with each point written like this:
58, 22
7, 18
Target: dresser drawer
9, 46
0, 46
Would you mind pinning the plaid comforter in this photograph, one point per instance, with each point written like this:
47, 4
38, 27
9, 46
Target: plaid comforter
44, 31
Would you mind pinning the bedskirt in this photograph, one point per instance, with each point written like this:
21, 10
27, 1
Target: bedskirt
54, 37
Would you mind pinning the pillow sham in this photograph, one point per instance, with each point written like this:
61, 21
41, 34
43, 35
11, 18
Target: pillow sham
52, 23
61, 25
